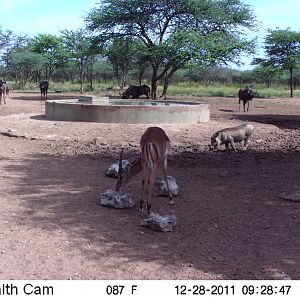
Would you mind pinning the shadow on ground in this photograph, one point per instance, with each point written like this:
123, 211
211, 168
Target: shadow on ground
281, 121
231, 219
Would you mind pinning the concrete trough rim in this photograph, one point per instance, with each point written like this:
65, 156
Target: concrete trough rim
96, 102
101, 112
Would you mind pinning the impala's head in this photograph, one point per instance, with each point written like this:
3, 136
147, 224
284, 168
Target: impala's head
120, 173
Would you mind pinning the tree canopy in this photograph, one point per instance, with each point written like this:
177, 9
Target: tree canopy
79, 47
175, 33
282, 49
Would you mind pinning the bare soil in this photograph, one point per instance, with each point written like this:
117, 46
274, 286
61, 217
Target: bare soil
233, 220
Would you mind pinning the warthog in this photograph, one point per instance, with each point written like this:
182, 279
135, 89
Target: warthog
245, 95
136, 91
232, 135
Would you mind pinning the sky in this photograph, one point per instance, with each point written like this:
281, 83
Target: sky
51, 16
47, 16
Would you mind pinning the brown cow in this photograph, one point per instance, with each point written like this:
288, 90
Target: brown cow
136, 91
44, 89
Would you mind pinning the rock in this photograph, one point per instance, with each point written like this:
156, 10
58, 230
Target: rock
294, 197
160, 186
114, 199
157, 222
113, 170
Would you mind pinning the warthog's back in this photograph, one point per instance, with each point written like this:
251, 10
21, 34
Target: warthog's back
238, 133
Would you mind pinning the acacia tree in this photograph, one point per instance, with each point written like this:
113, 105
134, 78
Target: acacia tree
120, 53
79, 47
10, 44
51, 46
175, 33
282, 49
26, 64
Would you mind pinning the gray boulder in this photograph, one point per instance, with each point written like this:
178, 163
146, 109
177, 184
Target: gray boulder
157, 222
113, 170
160, 186
114, 199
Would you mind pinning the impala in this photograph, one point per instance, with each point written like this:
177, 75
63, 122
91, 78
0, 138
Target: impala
155, 145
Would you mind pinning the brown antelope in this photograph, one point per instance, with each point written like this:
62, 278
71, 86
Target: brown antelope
155, 145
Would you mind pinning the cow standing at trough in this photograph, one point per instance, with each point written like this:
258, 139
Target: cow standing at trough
4, 91
44, 85
232, 135
136, 91
245, 95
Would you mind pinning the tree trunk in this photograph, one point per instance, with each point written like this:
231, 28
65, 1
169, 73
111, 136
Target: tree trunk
91, 82
154, 84
140, 76
167, 82
165, 89
291, 82
81, 77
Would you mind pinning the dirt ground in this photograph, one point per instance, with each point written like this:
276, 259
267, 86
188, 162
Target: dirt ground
233, 220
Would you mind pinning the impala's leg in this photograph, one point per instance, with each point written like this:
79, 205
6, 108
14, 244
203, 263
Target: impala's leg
142, 195
164, 167
149, 190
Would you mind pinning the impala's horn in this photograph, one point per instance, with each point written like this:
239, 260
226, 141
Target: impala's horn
120, 171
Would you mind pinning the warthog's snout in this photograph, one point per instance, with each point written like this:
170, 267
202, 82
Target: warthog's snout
210, 147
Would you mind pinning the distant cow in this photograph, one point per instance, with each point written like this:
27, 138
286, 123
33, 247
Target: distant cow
3, 91
245, 95
136, 91
44, 89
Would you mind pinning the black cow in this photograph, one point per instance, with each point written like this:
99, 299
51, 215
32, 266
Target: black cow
245, 95
136, 91
3, 91
44, 85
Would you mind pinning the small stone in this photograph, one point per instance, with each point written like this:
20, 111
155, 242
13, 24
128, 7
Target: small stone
113, 170
114, 199
294, 197
157, 222
160, 186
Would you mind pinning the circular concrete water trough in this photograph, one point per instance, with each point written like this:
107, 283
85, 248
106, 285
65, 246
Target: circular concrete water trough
104, 110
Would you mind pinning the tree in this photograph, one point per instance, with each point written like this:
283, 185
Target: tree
266, 74
9, 44
282, 49
176, 33
120, 54
53, 50
26, 64
79, 47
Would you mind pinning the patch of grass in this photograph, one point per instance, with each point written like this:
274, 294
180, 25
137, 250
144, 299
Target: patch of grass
180, 89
